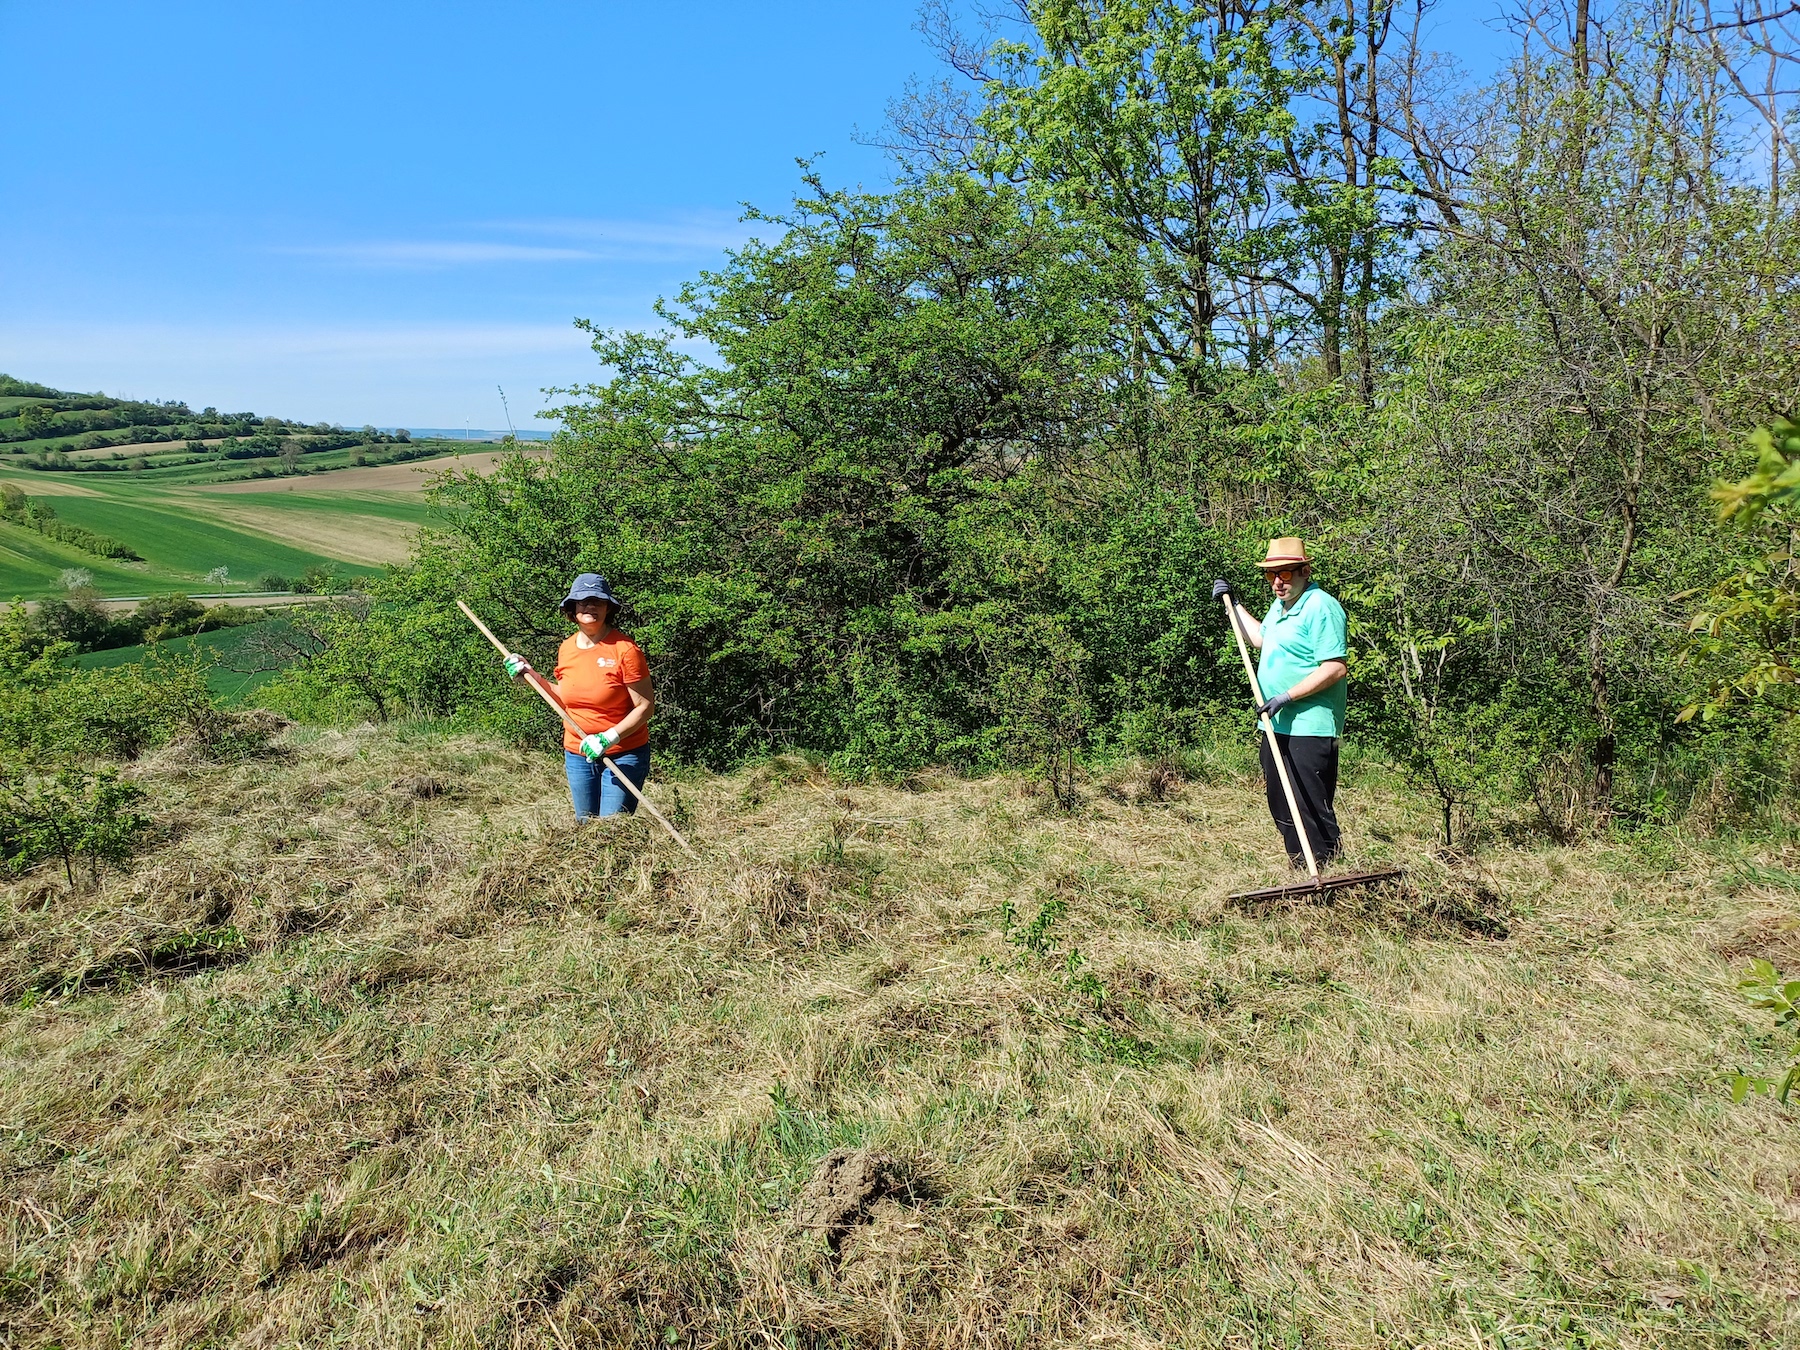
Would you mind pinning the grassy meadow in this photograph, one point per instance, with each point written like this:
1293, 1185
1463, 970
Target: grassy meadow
371, 1048
188, 520
228, 653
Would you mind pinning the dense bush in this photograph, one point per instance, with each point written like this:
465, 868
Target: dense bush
355, 658
116, 713
66, 734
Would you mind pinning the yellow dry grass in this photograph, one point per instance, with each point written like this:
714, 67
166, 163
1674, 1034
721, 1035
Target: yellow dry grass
44, 485
336, 534
373, 1048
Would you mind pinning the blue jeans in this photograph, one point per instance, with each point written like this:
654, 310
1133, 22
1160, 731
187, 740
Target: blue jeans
595, 791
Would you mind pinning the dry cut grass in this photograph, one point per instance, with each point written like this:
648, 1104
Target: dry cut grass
373, 1049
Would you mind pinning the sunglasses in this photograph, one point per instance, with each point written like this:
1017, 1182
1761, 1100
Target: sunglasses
1283, 574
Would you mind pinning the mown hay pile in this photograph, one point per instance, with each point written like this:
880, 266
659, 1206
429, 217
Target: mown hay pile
374, 1049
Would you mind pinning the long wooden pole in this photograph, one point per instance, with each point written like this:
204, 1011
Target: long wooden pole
1268, 726
556, 706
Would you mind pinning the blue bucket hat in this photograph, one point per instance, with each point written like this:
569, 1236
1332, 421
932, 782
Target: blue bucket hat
588, 586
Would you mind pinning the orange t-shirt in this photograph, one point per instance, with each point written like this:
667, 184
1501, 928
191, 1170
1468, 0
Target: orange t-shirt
592, 683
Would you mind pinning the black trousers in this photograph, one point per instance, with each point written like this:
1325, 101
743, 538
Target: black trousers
1312, 765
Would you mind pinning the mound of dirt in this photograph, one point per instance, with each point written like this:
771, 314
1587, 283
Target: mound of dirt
843, 1187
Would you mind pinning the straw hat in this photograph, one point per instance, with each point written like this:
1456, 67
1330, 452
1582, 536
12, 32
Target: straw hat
1287, 552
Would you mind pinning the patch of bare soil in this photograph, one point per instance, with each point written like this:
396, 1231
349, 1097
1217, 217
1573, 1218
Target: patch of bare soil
846, 1183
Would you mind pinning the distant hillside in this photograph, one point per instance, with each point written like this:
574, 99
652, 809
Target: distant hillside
126, 495
44, 423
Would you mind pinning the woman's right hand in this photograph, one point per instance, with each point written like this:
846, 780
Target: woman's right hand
517, 665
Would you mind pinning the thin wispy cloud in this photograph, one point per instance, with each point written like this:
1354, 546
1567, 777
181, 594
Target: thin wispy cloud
691, 236
553, 240
438, 253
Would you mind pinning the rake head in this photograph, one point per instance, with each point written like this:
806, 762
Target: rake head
1295, 890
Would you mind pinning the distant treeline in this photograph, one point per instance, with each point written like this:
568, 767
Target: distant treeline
79, 618
97, 422
290, 449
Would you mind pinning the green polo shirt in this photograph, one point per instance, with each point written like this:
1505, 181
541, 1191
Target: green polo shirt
1296, 642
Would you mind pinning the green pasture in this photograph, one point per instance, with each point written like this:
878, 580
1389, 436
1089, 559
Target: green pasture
31, 566
178, 538
184, 532
401, 507
228, 653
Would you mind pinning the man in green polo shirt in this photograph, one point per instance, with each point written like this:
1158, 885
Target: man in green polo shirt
1302, 671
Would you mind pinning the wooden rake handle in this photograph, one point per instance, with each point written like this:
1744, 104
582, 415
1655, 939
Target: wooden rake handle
556, 706
1268, 726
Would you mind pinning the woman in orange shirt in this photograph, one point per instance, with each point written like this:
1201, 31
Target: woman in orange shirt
602, 679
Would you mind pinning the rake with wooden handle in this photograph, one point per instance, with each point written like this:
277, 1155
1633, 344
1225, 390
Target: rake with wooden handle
1317, 883
556, 706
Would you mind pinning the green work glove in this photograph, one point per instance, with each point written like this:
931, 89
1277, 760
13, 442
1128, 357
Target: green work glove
596, 745
517, 665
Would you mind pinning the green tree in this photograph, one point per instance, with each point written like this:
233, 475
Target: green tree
35, 421
811, 527
1565, 383
1231, 153
1745, 636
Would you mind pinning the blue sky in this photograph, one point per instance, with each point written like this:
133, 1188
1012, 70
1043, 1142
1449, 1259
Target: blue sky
380, 211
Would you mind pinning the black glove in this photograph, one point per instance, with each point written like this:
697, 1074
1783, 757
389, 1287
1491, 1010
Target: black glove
1274, 705
1223, 588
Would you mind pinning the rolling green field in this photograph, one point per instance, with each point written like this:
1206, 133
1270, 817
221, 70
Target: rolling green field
185, 527
31, 565
176, 540
228, 651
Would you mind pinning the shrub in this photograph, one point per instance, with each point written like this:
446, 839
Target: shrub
226, 616
353, 659
1768, 991
77, 617
74, 814
165, 616
49, 712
